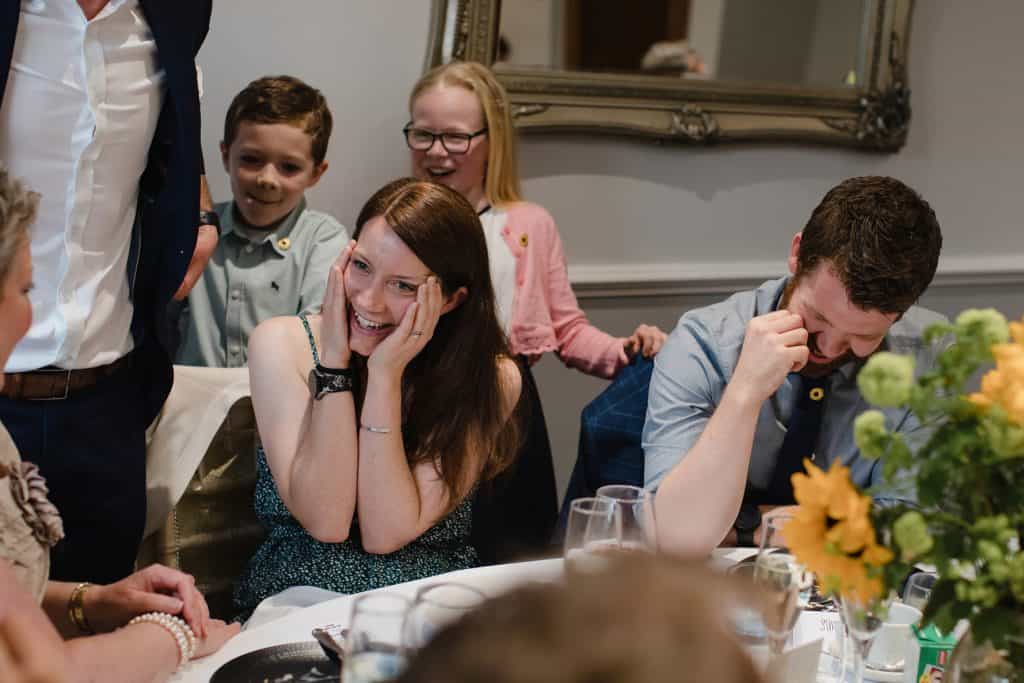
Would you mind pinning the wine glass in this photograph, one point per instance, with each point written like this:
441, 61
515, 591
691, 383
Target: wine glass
434, 607
636, 507
785, 583
863, 619
593, 530
374, 652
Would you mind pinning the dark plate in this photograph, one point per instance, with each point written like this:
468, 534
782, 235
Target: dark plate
301, 662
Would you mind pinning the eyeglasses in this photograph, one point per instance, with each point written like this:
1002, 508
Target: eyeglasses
454, 143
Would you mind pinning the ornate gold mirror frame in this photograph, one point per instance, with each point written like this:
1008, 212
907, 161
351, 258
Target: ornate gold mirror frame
873, 116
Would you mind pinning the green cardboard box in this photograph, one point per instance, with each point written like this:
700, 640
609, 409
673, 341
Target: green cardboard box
928, 655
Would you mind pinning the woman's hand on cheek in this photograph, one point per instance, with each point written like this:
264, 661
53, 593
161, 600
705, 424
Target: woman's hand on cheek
412, 334
334, 329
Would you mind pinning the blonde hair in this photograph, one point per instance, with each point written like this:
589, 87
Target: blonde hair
642, 619
17, 212
501, 185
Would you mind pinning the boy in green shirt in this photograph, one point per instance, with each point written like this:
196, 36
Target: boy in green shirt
274, 253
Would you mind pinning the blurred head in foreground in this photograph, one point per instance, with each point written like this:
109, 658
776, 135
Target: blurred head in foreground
644, 619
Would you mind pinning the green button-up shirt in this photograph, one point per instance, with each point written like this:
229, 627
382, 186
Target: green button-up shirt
254, 275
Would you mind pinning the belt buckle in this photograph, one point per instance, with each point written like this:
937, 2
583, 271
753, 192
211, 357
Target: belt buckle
67, 384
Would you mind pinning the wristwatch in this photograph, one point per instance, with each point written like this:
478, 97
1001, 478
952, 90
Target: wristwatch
209, 218
747, 522
329, 380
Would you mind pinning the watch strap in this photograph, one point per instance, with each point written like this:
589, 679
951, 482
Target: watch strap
330, 380
209, 218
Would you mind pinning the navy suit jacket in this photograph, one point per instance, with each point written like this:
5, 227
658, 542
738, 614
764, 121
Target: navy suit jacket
611, 431
166, 225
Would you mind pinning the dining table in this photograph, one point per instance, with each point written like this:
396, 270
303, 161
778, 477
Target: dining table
295, 625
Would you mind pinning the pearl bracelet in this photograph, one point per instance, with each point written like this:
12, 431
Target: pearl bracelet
177, 627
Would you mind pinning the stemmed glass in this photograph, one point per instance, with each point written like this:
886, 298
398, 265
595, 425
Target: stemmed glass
784, 581
636, 507
863, 619
593, 530
374, 652
434, 607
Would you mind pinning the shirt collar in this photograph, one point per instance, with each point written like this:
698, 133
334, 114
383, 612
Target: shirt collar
277, 236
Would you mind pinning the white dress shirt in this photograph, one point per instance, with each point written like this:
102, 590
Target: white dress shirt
77, 120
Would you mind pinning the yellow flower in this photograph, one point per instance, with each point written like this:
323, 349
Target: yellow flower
831, 532
1017, 332
1004, 385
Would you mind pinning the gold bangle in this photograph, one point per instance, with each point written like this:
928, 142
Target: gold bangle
76, 609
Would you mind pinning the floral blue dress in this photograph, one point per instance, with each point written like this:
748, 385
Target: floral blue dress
291, 557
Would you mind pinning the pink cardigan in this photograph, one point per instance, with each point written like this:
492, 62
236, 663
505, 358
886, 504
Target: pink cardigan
545, 315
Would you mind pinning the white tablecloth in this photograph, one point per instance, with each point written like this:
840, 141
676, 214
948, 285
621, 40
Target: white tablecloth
298, 624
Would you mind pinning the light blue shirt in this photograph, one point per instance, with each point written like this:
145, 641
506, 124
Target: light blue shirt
693, 368
254, 275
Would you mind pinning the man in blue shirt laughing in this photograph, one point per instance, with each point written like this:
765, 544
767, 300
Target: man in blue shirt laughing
745, 389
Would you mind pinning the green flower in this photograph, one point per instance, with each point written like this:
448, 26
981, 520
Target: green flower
910, 532
870, 435
1016, 564
886, 379
987, 323
1005, 438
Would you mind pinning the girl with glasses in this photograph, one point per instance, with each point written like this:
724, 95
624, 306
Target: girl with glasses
460, 135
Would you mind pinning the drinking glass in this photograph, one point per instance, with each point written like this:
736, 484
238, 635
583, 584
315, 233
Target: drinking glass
374, 652
434, 607
863, 619
919, 589
636, 507
593, 530
784, 582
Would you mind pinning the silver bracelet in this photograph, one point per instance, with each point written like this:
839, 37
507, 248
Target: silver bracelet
176, 626
376, 430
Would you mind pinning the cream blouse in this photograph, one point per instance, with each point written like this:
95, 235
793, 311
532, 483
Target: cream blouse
29, 522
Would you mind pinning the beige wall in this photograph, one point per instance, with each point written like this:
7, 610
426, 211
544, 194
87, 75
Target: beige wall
627, 208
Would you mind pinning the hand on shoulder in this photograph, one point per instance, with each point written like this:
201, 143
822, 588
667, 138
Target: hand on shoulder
646, 339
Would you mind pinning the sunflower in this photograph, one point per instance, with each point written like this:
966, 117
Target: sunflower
832, 535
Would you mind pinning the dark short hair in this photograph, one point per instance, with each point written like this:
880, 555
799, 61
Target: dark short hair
879, 237
282, 99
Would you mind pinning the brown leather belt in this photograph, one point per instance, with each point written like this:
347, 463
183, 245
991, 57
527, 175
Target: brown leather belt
54, 384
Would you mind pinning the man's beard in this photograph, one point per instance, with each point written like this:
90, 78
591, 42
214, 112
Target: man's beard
817, 370
812, 369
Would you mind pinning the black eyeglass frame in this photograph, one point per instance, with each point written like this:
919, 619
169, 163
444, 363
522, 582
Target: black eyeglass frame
434, 137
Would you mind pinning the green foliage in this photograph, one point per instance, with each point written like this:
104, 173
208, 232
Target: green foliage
969, 476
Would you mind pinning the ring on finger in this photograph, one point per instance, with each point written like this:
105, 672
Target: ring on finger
417, 333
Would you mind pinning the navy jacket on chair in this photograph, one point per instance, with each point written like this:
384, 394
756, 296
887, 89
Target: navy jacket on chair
611, 427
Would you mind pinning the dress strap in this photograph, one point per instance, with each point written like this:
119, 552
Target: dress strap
309, 334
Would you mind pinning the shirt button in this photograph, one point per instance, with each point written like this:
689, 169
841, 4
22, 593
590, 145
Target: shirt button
235, 295
249, 248
234, 348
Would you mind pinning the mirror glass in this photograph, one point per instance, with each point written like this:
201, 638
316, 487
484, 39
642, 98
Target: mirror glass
819, 43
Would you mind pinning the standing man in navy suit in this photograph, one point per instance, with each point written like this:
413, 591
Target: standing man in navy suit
99, 112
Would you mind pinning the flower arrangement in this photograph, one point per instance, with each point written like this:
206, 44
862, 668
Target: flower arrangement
968, 472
